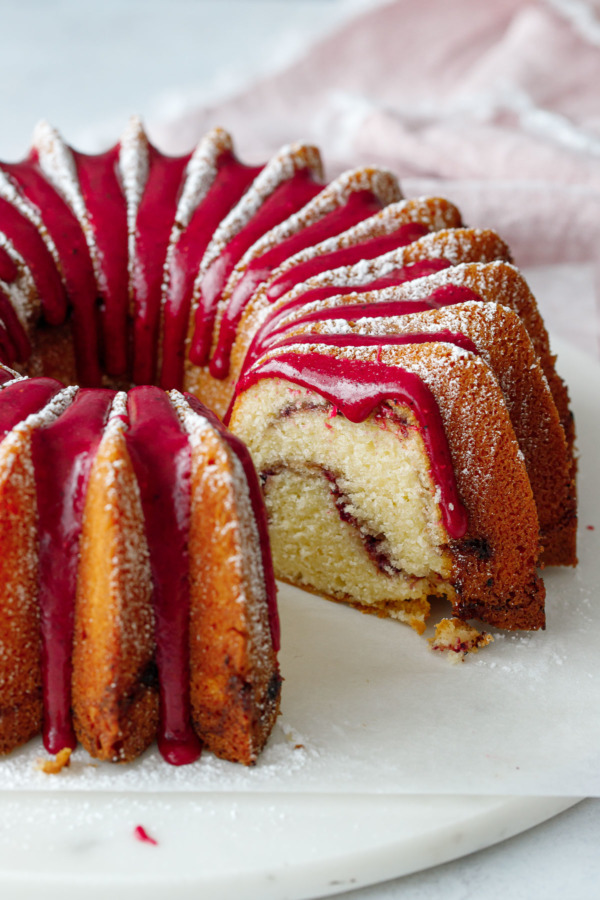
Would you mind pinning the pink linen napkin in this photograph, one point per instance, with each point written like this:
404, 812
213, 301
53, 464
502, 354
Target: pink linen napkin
494, 105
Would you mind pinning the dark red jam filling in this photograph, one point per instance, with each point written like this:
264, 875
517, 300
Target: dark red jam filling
75, 262
107, 209
258, 508
231, 181
286, 199
356, 388
347, 256
28, 242
161, 457
275, 325
153, 225
22, 398
63, 452
5, 376
360, 205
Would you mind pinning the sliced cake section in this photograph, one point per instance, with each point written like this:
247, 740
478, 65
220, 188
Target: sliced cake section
502, 341
384, 489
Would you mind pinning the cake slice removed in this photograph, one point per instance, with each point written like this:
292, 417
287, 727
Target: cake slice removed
392, 474
115, 688
234, 630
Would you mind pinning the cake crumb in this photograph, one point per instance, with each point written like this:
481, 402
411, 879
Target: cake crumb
457, 638
61, 761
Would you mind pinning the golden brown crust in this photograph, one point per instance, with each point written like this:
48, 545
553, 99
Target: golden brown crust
235, 682
115, 697
20, 668
494, 567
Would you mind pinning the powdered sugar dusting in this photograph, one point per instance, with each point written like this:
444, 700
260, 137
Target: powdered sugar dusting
246, 560
382, 183
433, 212
57, 164
10, 191
199, 177
457, 245
22, 292
129, 566
200, 173
53, 409
134, 166
16, 376
281, 168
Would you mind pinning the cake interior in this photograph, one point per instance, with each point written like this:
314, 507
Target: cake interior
352, 516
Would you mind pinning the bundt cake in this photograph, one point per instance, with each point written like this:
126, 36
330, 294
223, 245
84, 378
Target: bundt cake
386, 366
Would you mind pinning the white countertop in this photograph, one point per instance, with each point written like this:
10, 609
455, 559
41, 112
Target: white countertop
86, 66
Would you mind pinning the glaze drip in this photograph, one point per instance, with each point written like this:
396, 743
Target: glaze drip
107, 211
161, 458
347, 256
22, 398
231, 180
275, 325
360, 205
286, 199
63, 453
356, 388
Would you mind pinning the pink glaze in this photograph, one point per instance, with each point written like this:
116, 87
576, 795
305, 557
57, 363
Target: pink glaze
258, 508
141, 834
360, 205
8, 267
276, 325
75, 262
393, 278
356, 388
105, 203
8, 352
383, 340
286, 199
161, 457
347, 256
28, 242
22, 398
153, 229
231, 181
63, 453
15, 331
